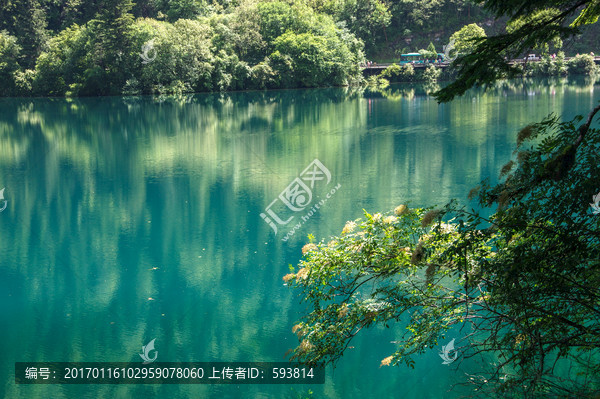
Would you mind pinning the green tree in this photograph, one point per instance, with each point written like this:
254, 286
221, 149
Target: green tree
486, 63
245, 37
465, 39
368, 19
9, 62
113, 53
543, 45
431, 48
277, 17
181, 56
521, 282
582, 64
398, 73
310, 56
418, 12
187, 9
430, 53
64, 63
307, 49
555, 66
25, 20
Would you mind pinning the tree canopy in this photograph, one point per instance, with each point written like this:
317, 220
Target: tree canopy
464, 40
516, 272
487, 62
242, 41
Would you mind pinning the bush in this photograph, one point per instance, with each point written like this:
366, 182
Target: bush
549, 66
230, 73
406, 73
64, 62
430, 74
582, 64
262, 75
182, 60
314, 60
398, 73
24, 82
556, 66
310, 57
276, 18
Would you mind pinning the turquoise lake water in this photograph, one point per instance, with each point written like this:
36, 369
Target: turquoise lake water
132, 219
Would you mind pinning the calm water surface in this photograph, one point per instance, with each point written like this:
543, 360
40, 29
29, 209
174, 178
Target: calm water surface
130, 219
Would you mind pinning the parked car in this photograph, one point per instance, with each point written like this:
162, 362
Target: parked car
532, 57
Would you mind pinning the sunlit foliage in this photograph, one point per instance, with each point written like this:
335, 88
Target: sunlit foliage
522, 282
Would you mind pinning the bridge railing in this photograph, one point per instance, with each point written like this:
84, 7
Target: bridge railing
384, 65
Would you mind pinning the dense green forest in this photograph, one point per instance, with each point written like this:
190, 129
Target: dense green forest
107, 47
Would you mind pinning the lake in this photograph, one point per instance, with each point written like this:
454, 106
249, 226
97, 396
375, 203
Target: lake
133, 219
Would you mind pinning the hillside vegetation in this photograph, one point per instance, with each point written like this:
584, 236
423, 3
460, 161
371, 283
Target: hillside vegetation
111, 47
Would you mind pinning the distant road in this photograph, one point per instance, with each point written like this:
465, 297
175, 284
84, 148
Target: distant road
377, 67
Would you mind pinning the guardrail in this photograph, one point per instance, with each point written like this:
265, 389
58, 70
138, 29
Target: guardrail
384, 65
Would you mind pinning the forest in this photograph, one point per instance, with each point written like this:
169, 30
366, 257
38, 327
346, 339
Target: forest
118, 47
